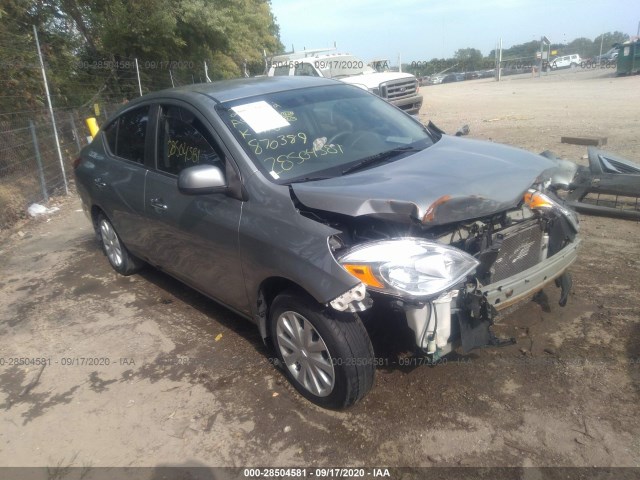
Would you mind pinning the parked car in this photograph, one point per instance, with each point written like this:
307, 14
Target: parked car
565, 61
453, 77
307, 206
609, 56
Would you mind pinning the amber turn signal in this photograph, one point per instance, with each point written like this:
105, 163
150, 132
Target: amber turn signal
536, 200
364, 274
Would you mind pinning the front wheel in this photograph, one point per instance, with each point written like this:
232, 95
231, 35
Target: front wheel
326, 355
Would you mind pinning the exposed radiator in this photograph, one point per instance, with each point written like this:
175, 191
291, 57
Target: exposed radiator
521, 249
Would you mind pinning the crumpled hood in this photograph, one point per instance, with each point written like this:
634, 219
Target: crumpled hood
455, 179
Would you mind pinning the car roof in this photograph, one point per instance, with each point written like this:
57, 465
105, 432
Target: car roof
227, 90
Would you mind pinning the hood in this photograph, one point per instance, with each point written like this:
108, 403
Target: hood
376, 78
455, 179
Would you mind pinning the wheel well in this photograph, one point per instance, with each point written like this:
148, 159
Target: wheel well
95, 212
268, 291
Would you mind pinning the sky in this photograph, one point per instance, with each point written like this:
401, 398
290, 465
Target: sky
419, 30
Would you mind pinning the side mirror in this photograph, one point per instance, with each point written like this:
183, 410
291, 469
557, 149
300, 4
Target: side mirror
201, 179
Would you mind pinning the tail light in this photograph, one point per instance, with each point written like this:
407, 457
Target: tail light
76, 163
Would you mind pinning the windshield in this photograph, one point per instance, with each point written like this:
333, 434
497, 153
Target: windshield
321, 132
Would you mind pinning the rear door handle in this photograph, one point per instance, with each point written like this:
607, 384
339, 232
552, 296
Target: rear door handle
157, 203
99, 182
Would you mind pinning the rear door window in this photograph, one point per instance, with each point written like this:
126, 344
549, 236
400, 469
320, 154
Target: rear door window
128, 134
111, 134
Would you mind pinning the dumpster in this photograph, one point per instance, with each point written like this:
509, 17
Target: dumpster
628, 57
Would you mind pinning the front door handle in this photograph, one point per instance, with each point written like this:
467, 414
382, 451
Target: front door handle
157, 203
99, 182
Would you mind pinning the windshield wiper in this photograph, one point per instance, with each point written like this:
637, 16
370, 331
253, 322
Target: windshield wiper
380, 157
308, 179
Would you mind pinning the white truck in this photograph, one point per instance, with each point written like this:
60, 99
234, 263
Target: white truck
400, 89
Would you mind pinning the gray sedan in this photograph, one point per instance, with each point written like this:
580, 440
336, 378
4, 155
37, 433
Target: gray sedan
307, 205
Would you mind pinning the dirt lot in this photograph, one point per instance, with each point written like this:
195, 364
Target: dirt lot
189, 382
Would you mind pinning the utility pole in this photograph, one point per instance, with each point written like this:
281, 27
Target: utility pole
53, 119
500, 62
496, 65
540, 63
601, 40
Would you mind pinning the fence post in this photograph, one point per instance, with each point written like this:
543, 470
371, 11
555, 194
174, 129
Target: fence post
53, 118
75, 132
138, 73
36, 148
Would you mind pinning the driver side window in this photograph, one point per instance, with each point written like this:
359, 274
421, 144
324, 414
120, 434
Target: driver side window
184, 142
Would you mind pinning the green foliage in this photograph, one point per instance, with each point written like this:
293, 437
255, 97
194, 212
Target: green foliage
582, 46
471, 59
90, 46
520, 51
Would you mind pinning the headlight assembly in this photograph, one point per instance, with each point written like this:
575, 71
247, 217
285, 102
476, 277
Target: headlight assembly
537, 200
408, 266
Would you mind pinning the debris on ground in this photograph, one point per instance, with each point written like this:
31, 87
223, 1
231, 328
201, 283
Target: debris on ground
35, 210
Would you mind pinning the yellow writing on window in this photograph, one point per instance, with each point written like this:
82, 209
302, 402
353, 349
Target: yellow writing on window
184, 152
284, 163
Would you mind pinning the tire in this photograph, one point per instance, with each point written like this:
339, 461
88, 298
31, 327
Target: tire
119, 257
326, 355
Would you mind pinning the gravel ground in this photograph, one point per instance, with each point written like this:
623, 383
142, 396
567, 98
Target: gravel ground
143, 371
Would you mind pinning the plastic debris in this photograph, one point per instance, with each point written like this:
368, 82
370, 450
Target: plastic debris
35, 210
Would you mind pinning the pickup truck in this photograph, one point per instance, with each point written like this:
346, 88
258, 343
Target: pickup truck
400, 89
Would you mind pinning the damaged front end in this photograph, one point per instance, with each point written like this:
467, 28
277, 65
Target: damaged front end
451, 280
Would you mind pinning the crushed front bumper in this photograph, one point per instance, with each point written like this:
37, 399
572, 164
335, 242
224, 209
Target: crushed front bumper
525, 284
464, 316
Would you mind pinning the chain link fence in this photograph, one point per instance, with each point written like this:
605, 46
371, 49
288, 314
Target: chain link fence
31, 170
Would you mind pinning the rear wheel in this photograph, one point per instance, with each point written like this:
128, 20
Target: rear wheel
326, 355
119, 257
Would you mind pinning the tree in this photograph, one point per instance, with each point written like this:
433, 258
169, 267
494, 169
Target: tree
469, 59
90, 46
608, 40
582, 46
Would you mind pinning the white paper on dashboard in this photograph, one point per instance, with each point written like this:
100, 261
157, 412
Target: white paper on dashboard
260, 116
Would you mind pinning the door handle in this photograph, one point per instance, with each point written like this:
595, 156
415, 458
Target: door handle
99, 182
157, 203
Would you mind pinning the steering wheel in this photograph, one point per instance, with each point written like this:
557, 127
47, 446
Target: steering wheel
335, 138
355, 139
